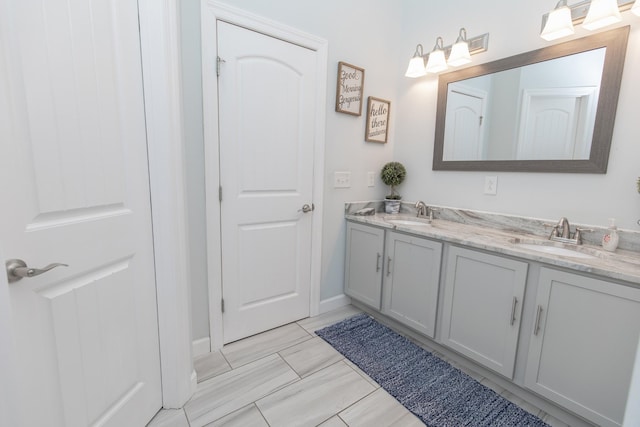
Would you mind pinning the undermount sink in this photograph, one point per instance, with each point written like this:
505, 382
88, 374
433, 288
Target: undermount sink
554, 248
407, 220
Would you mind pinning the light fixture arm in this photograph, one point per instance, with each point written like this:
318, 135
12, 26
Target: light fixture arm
439, 44
419, 51
462, 35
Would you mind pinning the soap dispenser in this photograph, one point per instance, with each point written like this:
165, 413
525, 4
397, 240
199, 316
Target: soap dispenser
610, 239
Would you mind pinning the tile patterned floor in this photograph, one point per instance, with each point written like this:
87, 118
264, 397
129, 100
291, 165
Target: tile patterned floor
290, 377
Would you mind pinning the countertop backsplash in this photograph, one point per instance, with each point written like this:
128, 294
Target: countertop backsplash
629, 239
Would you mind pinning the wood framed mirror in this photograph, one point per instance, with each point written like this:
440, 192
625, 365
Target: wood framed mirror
549, 110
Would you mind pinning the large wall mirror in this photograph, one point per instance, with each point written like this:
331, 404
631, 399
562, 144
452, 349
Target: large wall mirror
549, 110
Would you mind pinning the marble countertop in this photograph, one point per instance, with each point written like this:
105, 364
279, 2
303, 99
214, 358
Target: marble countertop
621, 265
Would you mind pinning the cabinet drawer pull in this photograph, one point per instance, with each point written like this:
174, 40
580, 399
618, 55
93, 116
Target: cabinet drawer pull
513, 310
378, 263
388, 266
536, 327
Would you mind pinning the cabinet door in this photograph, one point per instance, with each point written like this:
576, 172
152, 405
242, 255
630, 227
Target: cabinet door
482, 305
363, 266
412, 274
583, 345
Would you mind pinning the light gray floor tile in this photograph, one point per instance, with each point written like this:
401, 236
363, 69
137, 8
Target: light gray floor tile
253, 348
529, 407
209, 365
236, 389
379, 409
169, 418
333, 422
315, 398
310, 356
312, 324
362, 374
249, 416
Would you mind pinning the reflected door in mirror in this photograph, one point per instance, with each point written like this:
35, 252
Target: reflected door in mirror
464, 127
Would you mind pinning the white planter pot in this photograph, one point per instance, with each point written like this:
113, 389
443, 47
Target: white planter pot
391, 206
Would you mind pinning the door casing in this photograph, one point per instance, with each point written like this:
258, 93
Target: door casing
212, 12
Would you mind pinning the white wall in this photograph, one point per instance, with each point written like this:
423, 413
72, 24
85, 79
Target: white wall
582, 198
380, 36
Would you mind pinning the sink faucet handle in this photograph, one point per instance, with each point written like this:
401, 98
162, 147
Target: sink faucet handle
578, 234
431, 211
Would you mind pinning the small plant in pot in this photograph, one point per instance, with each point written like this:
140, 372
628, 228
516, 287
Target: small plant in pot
392, 174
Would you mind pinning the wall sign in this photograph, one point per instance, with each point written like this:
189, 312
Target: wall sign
377, 120
349, 89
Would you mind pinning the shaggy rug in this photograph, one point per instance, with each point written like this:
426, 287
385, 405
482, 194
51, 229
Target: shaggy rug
436, 392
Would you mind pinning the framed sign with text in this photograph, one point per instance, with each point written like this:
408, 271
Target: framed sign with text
349, 89
377, 120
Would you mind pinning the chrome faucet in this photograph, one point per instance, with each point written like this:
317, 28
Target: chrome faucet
561, 232
422, 208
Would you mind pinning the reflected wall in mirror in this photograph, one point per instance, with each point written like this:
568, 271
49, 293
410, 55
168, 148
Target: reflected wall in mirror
550, 110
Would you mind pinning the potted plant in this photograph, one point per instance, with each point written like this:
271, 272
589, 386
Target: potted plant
392, 174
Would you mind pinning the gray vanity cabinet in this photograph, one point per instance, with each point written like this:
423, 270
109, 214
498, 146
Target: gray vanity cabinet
363, 264
583, 344
482, 307
411, 281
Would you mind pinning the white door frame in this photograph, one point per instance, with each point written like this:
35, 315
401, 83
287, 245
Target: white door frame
211, 12
159, 32
161, 63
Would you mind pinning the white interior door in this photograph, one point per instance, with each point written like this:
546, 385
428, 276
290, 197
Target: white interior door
463, 128
267, 104
75, 189
557, 123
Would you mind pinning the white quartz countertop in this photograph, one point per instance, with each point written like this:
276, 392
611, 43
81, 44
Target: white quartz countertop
621, 265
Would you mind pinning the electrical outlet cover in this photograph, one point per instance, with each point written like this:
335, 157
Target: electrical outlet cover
491, 185
342, 179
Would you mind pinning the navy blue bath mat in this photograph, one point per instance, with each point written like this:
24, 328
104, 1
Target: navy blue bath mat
436, 392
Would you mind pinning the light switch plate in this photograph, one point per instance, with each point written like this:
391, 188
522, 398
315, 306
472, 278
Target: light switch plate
491, 185
342, 179
371, 179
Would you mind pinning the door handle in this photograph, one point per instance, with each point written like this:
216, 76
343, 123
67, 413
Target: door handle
306, 208
17, 269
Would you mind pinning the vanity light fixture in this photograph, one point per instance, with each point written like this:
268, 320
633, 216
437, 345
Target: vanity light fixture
559, 24
437, 61
459, 53
601, 14
592, 14
416, 64
460, 50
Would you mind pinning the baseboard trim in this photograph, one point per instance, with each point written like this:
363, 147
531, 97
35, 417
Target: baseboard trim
334, 303
201, 346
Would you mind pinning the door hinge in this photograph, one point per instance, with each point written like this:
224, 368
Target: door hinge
219, 61
222, 305
220, 193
